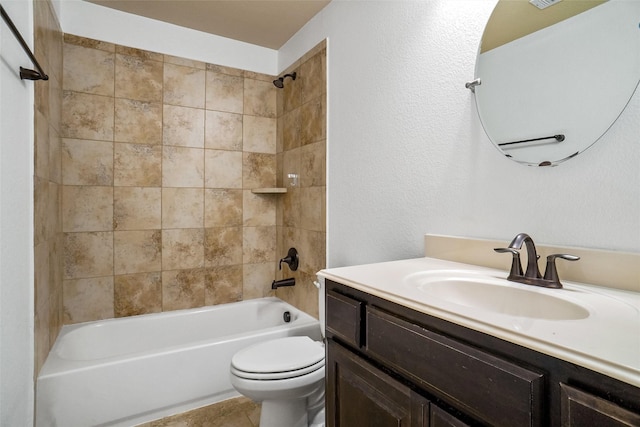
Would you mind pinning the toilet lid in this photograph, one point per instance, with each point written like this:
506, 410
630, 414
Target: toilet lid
279, 355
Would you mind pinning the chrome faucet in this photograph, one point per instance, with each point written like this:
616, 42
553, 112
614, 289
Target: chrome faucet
532, 276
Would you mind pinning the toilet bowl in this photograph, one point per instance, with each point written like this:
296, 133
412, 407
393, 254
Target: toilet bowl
287, 376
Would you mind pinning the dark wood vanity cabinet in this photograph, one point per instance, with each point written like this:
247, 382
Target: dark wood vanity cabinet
388, 365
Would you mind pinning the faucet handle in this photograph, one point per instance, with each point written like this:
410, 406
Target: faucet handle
516, 266
551, 272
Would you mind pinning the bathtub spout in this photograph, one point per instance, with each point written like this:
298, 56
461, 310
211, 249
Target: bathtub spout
284, 282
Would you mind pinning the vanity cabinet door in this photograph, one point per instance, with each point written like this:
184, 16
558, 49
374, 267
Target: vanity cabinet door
359, 394
581, 409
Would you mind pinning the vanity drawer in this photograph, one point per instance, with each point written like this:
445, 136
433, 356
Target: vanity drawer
491, 389
344, 315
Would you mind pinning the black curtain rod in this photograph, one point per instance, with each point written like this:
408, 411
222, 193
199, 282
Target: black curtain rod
25, 73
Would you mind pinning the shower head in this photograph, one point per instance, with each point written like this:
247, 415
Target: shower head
279, 82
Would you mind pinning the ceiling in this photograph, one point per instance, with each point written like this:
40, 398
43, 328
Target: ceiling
267, 23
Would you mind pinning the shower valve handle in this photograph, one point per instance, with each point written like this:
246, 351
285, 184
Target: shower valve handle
291, 260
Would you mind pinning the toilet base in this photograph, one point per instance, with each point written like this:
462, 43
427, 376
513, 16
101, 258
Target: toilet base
279, 413
319, 420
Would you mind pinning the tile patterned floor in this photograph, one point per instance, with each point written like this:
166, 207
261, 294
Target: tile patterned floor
237, 412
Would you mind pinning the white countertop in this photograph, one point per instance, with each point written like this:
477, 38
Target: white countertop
606, 341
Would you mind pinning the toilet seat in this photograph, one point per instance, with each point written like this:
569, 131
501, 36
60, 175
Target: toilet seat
279, 359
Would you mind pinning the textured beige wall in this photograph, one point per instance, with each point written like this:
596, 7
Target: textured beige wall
302, 111
47, 182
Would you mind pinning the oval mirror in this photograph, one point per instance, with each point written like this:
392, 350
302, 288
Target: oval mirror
555, 75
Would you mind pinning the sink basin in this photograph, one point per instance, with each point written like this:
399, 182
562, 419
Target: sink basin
496, 295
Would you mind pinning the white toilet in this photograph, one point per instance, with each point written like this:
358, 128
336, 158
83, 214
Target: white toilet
287, 376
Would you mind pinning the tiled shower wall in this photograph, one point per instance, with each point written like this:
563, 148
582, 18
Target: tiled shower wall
47, 190
159, 156
302, 134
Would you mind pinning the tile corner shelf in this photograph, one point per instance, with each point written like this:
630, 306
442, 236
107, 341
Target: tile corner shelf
269, 190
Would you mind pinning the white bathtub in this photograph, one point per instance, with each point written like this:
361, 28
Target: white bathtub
122, 372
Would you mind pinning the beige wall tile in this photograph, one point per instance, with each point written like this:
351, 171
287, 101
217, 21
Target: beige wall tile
87, 208
87, 116
223, 131
55, 156
291, 164
42, 270
55, 102
88, 254
137, 251
292, 205
259, 244
136, 294
313, 79
312, 249
41, 210
222, 207
182, 289
87, 162
256, 280
54, 213
223, 169
259, 76
224, 92
182, 208
259, 98
183, 126
312, 207
139, 53
138, 122
292, 129
292, 92
223, 284
168, 59
182, 249
182, 167
88, 299
184, 85
137, 165
223, 246
258, 170
94, 44
221, 69
78, 60
137, 208
313, 164
42, 92
138, 77
41, 145
259, 134
258, 209
313, 121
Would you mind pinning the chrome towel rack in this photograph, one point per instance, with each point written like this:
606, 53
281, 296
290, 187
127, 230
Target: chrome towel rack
25, 73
